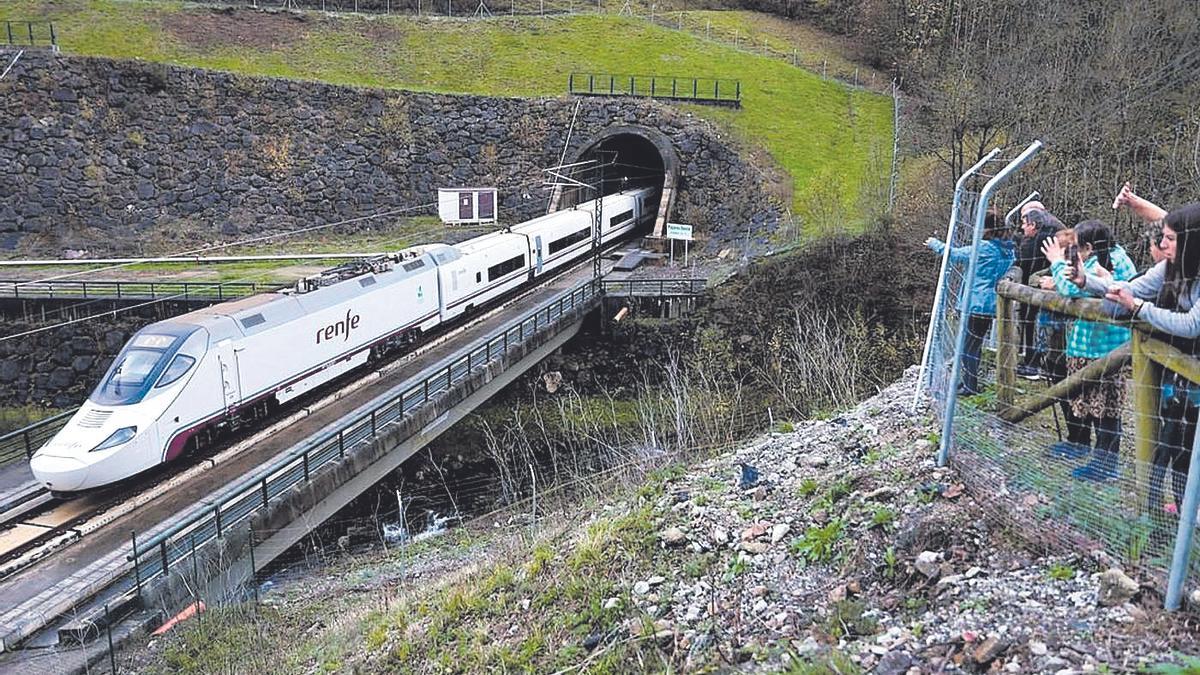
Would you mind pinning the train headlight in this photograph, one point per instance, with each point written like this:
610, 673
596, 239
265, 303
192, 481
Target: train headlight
118, 437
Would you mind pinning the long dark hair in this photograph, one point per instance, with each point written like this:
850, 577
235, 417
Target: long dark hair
1096, 234
1185, 269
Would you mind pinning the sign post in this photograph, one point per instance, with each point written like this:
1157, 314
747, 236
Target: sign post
681, 232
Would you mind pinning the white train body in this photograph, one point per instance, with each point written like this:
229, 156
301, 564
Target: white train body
188, 375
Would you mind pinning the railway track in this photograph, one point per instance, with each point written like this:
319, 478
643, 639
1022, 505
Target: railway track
41, 525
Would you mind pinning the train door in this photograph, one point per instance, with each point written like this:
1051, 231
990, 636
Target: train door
231, 388
537, 245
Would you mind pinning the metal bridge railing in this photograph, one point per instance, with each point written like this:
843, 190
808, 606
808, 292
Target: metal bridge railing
156, 555
693, 89
679, 287
23, 442
72, 289
29, 34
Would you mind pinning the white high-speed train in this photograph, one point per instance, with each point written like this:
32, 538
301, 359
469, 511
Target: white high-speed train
177, 382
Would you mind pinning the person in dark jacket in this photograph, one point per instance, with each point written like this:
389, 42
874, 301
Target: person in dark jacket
1037, 225
996, 256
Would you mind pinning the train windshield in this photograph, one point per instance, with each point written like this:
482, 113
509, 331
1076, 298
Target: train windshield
137, 367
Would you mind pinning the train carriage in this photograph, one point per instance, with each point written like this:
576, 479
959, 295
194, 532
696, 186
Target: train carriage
177, 381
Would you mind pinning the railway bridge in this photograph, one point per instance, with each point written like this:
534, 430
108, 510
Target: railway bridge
96, 565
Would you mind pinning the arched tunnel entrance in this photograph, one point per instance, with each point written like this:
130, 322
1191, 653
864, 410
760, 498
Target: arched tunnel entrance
640, 157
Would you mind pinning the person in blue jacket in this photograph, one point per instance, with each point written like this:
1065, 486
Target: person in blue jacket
996, 257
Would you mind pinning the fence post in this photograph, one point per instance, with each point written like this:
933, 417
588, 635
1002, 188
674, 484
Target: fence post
8, 24
960, 341
1183, 535
28, 444
217, 518
1147, 376
137, 569
939, 296
571, 83
374, 429
265, 495
253, 566
1006, 352
612, 84
162, 549
112, 655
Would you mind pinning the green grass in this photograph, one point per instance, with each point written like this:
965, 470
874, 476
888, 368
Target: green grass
832, 141
15, 417
381, 239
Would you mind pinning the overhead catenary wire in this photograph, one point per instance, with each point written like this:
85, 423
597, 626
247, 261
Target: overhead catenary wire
167, 298
243, 242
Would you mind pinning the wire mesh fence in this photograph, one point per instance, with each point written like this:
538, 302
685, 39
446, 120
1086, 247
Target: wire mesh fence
1072, 415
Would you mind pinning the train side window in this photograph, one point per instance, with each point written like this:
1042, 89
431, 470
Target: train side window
479, 277
506, 267
620, 218
179, 366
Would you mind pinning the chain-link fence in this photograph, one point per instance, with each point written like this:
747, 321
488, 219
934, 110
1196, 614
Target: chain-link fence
1072, 418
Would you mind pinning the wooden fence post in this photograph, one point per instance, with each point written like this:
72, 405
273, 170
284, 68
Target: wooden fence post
1006, 352
1146, 378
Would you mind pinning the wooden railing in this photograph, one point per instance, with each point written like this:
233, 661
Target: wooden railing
1149, 355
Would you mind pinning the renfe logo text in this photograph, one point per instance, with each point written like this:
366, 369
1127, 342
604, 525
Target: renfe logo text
342, 327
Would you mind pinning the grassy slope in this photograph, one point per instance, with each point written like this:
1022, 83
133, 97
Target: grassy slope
823, 134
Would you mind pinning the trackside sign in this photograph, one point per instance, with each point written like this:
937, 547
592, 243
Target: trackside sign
680, 232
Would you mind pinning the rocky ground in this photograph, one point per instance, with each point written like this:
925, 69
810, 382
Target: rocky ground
833, 546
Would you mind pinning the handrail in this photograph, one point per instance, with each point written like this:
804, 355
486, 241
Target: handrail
1149, 356
128, 289
248, 494
672, 86
21, 33
677, 286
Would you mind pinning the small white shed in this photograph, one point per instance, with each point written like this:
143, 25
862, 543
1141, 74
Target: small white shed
467, 205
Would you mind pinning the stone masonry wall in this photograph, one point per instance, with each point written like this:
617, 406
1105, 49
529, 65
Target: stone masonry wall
103, 154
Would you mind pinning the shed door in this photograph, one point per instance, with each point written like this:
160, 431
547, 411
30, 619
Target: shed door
487, 205
466, 206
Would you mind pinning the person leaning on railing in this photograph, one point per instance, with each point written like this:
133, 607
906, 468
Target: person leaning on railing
1098, 403
1168, 298
996, 256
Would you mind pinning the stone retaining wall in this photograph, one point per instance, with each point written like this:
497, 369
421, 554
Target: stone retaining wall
109, 155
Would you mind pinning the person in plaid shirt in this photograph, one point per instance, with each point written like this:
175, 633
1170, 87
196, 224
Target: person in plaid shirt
1098, 403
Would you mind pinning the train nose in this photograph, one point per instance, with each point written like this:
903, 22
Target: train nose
61, 474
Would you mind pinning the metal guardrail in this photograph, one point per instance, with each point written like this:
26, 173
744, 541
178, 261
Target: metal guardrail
29, 34
654, 287
156, 555
72, 289
25, 441
693, 89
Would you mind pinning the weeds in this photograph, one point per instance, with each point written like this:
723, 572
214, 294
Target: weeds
818, 543
1061, 572
808, 487
882, 517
